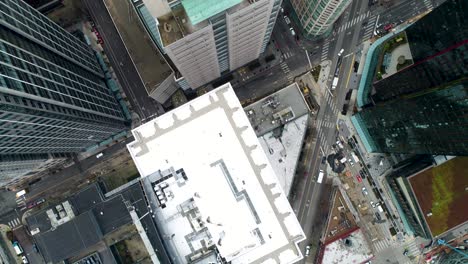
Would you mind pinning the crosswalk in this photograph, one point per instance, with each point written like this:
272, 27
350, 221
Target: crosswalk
325, 47
287, 71
353, 22
287, 55
369, 28
380, 245
428, 4
324, 123
331, 103
413, 248
14, 223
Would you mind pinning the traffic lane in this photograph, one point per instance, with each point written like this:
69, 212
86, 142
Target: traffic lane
105, 26
27, 244
121, 61
74, 172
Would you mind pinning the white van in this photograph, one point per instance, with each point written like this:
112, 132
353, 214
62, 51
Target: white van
380, 209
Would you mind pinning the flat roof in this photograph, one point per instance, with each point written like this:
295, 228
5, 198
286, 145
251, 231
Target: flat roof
214, 184
200, 10
340, 219
276, 109
284, 148
70, 238
350, 249
441, 195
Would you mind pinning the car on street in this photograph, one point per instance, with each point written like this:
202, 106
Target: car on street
364, 191
351, 162
388, 26
286, 19
338, 143
292, 31
358, 178
406, 252
24, 259
307, 251
99, 155
341, 52
372, 204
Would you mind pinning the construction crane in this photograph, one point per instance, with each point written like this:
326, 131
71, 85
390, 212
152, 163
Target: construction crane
442, 242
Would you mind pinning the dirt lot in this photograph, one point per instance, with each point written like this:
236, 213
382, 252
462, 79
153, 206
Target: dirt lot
132, 250
441, 191
118, 171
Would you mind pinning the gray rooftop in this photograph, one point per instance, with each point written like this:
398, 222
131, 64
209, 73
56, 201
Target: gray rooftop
276, 109
70, 238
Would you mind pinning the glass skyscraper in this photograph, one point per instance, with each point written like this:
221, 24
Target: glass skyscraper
53, 95
423, 108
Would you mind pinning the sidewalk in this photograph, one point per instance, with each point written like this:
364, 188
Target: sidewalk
324, 73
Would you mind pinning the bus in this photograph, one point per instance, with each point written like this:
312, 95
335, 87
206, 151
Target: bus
320, 177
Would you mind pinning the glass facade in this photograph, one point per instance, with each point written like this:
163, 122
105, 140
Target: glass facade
53, 96
429, 122
446, 66
423, 108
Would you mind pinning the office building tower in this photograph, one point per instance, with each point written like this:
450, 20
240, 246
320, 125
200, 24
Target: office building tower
205, 39
317, 16
421, 107
53, 95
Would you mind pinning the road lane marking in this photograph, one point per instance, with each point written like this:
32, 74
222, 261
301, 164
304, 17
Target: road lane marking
350, 70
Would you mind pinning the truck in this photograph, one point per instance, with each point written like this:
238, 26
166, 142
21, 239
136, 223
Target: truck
18, 249
320, 176
335, 83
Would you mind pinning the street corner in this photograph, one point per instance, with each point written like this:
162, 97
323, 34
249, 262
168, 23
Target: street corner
4, 228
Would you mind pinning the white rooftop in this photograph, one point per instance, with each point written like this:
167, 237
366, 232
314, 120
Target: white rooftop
357, 251
283, 152
230, 197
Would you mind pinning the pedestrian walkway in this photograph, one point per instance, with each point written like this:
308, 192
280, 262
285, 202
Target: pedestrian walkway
287, 55
331, 103
413, 248
381, 245
428, 4
353, 22
14, 223
287, 71
325, 48
369, 28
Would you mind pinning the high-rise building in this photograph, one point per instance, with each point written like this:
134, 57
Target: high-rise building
317, 16
421, 107
53, 94
205, 39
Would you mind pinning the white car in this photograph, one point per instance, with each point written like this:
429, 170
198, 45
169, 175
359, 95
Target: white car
351, 162
338, 143
292, 31
364, 191
307, 252
341, 52
99, 155
24, 259
286, 18
372, 204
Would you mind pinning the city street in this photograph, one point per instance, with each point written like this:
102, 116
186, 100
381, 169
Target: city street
121, 62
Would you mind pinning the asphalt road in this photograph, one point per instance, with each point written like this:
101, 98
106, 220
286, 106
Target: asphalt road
121, 62
348, 40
